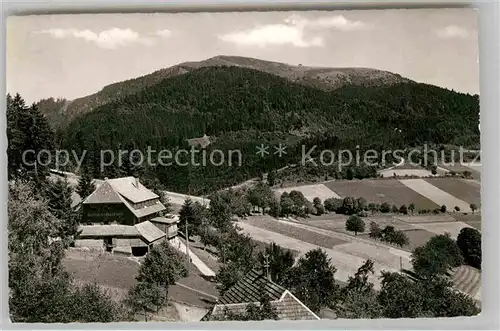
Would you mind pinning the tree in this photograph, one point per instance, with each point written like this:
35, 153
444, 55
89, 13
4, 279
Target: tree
375, 231
162, 266
191, 214
385, 207
286, 204
260, 195
312, 280
372, 207
40, 288
318, 206
332, 204
469, 242
27, 129
473, 207
394, 209
279, 260
437, 256
349, 174
145, 297
403, 297
228, 275
59, 200
271, 178
443, 209
89, 304
358, 299
411, 208
356, 224
263, 311
403, 209
400, 238
86, 184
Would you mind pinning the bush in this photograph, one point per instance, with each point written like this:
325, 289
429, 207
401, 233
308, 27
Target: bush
403, 209
385, 207
375, 231
469, 242
443, 209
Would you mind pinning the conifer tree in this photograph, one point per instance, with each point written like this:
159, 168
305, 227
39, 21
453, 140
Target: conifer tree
86, 184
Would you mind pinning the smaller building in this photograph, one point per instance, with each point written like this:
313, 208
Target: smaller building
134, 240
250, 289
167, 224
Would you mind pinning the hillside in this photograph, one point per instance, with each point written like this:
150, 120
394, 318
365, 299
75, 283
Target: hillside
324, 78
241, 108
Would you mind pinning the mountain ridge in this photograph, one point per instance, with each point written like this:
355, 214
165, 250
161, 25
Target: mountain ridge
325, 78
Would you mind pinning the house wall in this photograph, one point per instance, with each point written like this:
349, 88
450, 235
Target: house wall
169, 229
107, 213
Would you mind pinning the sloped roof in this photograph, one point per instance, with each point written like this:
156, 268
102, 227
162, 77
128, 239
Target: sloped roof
157, 207
149, 232
165, 220
249, 289
126, 186
288, 307
105, 193
113, 230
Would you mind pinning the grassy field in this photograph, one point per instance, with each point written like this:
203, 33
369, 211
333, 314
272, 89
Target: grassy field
473, 220
117, 274
467, 280
379, 191
453, 228
460, 188
433, 193
458, 168
311, 191
270, 224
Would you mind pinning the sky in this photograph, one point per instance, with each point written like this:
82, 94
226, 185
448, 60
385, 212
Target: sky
70, 56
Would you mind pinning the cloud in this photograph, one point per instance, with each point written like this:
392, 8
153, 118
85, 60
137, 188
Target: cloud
163, 33
108, 39
296, 31
337, 22
272, 34
453, 31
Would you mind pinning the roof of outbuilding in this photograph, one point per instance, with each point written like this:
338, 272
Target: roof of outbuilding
250, 287
149, 231
165, 220
113, 230
287, 307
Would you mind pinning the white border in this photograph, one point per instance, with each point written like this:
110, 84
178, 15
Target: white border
489, 102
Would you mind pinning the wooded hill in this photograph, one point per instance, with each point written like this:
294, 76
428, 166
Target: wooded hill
241, 108
324, 78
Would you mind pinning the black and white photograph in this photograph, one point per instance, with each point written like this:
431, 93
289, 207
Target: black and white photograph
243, 166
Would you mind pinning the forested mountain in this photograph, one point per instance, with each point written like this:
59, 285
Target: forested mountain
324, 78
241, 108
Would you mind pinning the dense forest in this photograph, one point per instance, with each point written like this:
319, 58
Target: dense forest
241, 108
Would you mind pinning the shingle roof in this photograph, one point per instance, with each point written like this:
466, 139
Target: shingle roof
124, 190
126, 186
249, 289
165, 220
113, 230
149, 232
287, 307
105, 193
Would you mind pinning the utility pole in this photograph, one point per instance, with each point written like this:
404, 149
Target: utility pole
401, 263
187, 243
266, 265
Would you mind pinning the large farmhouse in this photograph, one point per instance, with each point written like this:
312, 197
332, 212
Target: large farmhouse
121, 200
